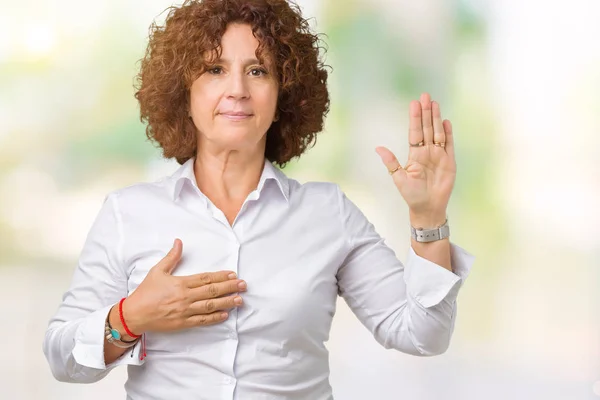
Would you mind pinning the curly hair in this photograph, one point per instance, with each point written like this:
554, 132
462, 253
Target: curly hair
176, 57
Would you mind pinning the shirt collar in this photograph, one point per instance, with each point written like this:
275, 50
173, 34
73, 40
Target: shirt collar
186, 173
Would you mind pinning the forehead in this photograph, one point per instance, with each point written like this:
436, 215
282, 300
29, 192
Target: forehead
238, 34
238, 43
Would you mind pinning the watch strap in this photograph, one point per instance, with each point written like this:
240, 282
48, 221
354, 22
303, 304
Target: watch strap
430, 235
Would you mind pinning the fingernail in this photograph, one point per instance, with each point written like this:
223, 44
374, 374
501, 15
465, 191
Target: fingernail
232, 276
237, 300
242, 285
224, 315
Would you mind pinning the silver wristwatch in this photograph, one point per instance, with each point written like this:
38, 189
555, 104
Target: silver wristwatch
430, 235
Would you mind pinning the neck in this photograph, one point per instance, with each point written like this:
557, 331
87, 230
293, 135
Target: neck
227, 177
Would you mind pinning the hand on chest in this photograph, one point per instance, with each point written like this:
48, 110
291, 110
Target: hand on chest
292, 286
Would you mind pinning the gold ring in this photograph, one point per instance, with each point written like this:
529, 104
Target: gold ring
440, 144
420, 144
395, 169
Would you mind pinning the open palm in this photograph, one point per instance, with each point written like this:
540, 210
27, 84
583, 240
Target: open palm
427, 179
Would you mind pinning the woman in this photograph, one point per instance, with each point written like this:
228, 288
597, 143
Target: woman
243, 310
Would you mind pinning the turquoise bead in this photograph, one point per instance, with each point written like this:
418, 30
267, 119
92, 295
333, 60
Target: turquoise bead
115, 334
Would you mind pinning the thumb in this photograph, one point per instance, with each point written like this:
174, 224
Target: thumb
391, 163
169, 262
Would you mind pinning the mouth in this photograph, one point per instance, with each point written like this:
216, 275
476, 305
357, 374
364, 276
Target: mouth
236, 116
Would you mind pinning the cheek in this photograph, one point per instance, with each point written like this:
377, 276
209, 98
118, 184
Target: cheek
204, 103
268, 100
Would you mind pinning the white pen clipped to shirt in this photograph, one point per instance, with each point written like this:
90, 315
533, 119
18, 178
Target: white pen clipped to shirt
298, 246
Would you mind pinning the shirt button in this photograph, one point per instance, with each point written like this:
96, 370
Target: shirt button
232, 335
228, 380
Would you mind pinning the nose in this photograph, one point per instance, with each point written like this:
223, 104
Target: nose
237, 87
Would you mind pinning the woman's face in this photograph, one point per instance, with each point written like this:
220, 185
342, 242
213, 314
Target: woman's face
233, 103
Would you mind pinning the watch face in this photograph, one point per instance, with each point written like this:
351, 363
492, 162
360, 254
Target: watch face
115, 333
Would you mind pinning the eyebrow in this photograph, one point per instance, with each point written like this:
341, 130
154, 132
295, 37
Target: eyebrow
248, 61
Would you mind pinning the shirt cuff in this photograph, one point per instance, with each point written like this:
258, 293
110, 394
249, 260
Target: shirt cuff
89, 344
430, 283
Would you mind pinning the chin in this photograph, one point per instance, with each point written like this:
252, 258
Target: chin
239, 139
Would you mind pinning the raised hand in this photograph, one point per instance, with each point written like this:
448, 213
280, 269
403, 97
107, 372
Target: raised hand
427, 179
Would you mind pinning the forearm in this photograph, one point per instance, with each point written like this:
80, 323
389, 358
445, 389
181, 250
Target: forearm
112, 352
437, 252
70, 347
416, 330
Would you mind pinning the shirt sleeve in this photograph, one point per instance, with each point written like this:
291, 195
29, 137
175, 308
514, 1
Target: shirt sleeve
410, 308
74, 341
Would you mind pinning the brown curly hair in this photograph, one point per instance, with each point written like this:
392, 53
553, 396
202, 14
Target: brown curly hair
176, 56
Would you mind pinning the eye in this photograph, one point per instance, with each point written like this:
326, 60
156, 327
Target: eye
214, 70
258, 72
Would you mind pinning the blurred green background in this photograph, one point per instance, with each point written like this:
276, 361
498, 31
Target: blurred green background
520, 82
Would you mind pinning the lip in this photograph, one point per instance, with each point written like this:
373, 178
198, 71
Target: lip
235, 116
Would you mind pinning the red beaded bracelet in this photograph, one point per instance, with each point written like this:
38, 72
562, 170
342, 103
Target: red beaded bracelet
133, 335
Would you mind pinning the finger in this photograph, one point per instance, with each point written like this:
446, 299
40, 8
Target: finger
212, 305
415, 127
449, 138
439, 136
391, 163
206, 278
426, 118
215, 290
169, 262
206, 319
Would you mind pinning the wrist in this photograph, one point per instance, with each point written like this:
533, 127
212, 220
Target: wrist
116, 323
131, 328
428, 221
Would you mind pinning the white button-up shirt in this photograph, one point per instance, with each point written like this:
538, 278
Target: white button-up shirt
298, 246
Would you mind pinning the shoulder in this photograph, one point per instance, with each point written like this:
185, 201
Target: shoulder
328, 203
142, 193
313, 190
327, 196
